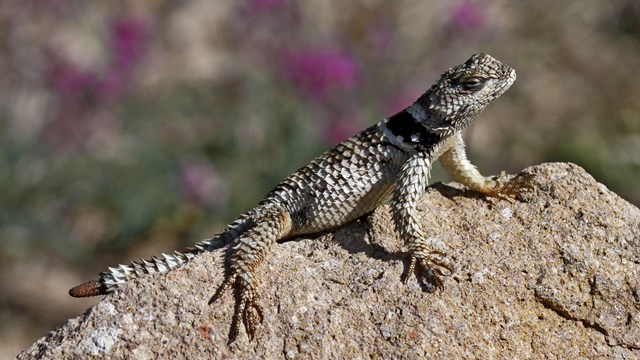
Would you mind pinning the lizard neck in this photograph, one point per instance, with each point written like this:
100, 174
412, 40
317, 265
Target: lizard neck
437, 119
412, 130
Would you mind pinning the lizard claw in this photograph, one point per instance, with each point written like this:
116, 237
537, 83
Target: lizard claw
515, 186
222, 289
247, 310
252, 315
434, 263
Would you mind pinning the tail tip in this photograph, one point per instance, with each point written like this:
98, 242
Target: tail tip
90, 288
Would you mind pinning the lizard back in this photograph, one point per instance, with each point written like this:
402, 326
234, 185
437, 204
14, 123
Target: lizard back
342, 184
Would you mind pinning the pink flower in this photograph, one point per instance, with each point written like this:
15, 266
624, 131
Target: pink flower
320, 72
399, 103
467, 16
68, 79
127, 45
128, 39
83, 92
341, 128
201, 183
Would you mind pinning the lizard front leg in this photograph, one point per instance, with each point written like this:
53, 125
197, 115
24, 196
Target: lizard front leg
429, 255
249, 250
456, 163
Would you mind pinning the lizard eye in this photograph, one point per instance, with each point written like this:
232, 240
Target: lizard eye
472, 83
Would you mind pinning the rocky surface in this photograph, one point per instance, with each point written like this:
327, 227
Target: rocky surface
553, 274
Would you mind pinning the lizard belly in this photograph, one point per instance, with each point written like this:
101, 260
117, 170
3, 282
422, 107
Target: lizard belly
340, 203
339, 186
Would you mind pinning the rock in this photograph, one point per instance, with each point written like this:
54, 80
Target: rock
553, 274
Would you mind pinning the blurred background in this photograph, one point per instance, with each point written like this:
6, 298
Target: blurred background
128, 130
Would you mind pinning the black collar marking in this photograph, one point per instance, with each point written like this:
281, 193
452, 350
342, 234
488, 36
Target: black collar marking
413, 133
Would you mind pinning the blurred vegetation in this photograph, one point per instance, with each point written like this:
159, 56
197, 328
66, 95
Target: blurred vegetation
126, 130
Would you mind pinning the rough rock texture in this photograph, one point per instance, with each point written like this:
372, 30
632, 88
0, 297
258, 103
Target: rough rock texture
555, 274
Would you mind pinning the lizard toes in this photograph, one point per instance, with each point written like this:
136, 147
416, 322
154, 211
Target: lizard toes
521, 183
433, 267
252, 316
226, 284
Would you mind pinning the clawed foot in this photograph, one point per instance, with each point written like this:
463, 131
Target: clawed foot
520, 183
247, 309
432, 261
512, 188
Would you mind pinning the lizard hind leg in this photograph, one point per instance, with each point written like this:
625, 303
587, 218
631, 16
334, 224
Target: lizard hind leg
246, 255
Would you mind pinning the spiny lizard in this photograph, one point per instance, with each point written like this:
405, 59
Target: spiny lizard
389, 160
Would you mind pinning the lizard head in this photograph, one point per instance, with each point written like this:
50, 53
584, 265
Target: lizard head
461, 94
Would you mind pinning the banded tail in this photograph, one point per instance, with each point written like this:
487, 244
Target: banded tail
117, 276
